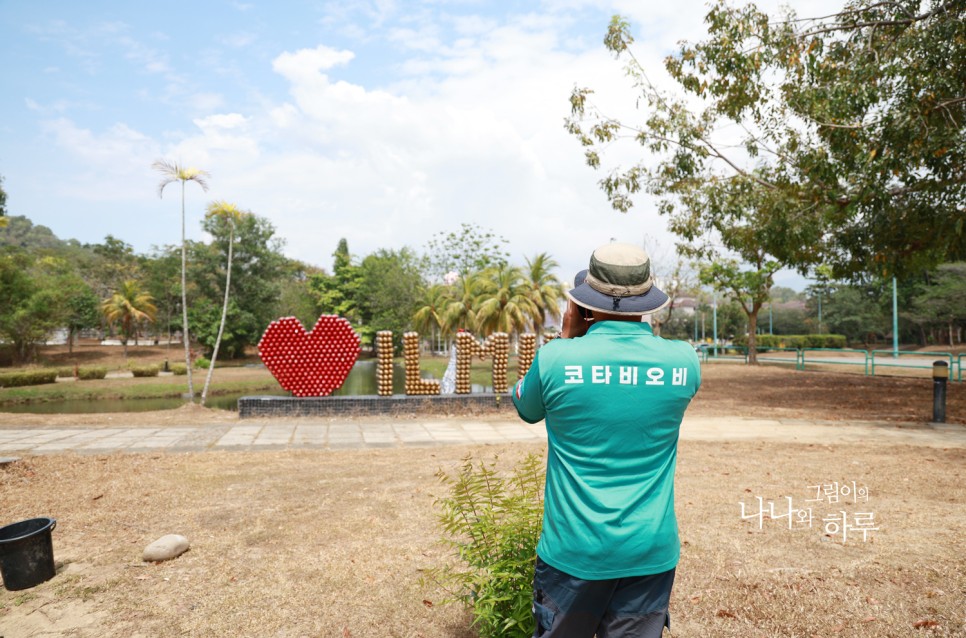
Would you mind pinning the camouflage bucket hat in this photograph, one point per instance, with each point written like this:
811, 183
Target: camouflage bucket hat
618, 281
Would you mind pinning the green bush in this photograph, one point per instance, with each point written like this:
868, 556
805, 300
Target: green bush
65, 373
29, 377
88, 374
202, 363
145, 371
179, 369
493, 524
795, 341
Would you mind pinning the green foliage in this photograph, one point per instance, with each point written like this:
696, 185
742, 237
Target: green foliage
492, 522
471, 249
145, 371
88, 374
179, 369
390, 286
796, 341
30, 377
201, 363
66, 372
832, 140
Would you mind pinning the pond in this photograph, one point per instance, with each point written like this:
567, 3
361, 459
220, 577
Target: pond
360, 382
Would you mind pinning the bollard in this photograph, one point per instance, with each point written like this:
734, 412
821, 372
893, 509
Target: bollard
940, 372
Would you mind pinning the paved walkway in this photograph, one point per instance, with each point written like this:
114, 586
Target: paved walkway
310, 434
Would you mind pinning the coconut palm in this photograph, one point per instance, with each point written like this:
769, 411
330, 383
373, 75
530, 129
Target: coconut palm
505, 303
231, 214
129, 306
460, 310
429, 316
545, 290
174, 172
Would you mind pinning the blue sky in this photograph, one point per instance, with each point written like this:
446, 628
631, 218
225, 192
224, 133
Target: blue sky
379, 121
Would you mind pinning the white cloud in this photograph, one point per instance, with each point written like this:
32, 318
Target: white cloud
309, 63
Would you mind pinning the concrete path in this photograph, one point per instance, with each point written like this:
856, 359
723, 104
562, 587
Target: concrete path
361, 433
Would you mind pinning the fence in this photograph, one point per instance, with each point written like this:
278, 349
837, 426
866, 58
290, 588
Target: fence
868, 360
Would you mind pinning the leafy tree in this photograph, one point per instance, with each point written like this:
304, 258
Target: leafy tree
161, 279
174, 172
81, 307
230, 215
471, 249
129, 306
941, 302
3, 204
338, 293
855, 311
295, 298
114, 263
257, 272
849, 146
389, 290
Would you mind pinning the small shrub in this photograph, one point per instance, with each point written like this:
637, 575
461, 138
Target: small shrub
29, 377
145, 371
65, 373
493, 524
88, 374
202, 363
179, 369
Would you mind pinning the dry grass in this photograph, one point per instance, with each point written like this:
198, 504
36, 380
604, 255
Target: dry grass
309, 543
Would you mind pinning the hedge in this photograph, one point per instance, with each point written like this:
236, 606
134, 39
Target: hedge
145, 371
65, 373
179, 369
796, 341
30, 377
87, 374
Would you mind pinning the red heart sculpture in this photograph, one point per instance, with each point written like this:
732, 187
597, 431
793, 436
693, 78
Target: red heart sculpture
310, 364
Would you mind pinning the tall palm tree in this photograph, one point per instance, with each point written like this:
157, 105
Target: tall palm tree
231, 214
545, 290
505, 303
174, 172
130, 306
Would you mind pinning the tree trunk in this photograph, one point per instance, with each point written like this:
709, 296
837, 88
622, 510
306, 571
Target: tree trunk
184, 300
224, 314
752, 337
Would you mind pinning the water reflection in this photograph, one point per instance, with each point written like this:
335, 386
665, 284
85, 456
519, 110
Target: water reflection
361, 381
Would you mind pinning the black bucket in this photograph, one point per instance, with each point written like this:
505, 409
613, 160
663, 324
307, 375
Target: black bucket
27, 553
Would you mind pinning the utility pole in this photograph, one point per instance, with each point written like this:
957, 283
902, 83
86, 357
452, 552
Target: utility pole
895, 321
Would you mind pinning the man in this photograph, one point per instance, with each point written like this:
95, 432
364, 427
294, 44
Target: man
613, 396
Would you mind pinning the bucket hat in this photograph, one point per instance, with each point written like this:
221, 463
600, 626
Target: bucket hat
618, 281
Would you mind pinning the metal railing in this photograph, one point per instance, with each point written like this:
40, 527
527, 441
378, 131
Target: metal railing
763, 355
921, 355
864, 363
867, 361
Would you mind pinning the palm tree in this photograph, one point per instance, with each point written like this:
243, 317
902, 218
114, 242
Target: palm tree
460, 310
505, 304
429, 316
545, 290
130, 306
174, 172
230, 213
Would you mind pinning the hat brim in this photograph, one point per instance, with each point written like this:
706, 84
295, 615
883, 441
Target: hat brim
583, 295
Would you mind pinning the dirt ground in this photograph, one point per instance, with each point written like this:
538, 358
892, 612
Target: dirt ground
314, 543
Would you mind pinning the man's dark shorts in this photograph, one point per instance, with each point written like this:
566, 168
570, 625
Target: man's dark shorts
569, 607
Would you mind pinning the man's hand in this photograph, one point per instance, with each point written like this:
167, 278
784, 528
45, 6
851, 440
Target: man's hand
574, 324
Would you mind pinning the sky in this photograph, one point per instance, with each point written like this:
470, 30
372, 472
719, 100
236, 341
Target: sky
380, 121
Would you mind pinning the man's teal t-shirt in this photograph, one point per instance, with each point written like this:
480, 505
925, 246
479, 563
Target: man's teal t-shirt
613, 401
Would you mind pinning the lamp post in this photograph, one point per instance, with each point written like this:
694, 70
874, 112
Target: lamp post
715, 324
